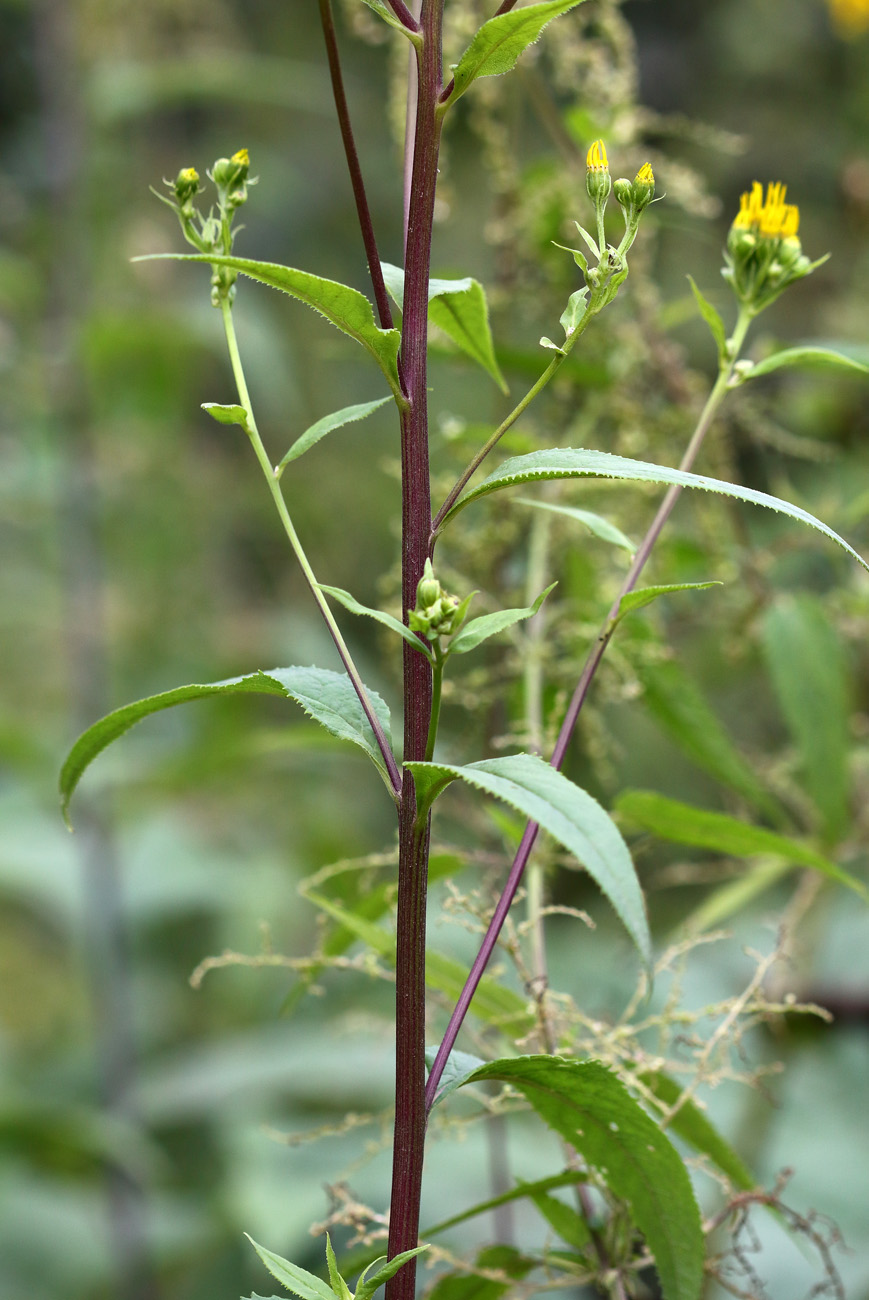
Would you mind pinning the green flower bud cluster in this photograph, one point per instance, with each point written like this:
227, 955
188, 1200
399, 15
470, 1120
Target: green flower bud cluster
213, 233
437, 614
764, 254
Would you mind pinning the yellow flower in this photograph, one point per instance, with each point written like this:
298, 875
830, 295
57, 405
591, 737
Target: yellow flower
770, 217
850, 17
242, 158
596, 159
645, 176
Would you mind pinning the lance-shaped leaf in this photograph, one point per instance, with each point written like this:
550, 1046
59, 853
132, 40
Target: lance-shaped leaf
347, 415
346, 308
683, 824
590, 1108
522, 1192
380, 616
570, 462
712, 319
817, 358
381, 9
368, 1285
480, 629
643, 596
570, 815
327, 697
460, 310
690, 1124
231, 414
297, 1280
596, 524
499, 42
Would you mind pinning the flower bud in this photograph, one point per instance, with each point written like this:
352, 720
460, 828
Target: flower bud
643, 188
186, 185
598, 181
230, 173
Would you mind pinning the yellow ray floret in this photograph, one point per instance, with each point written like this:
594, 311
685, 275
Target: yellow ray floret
645, 175
596, 159
771, 217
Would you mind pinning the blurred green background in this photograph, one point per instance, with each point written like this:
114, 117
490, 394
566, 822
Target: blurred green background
138, 1116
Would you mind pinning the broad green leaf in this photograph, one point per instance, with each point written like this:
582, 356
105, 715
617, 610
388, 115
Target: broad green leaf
326, 696
339, 1286
712, 319
388, 620
368, 1285
674, 699
562, 1219
346, 308
690, 1124
504, 1260
569, 462
645, 595
684, 824
566, 812
456, 1071
589, 1107
459, 308
480, 629
499, 42
329, 422
518, 1193
809, 674
824, 358
384, 12
229, 414
295, 1279
596, 524
493, 1002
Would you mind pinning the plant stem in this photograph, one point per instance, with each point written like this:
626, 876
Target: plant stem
281, 506
363, 212
413, 841
713, 403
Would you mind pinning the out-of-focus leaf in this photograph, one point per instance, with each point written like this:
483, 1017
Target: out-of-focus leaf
712, 319
817, 358
690, 1124
596, 524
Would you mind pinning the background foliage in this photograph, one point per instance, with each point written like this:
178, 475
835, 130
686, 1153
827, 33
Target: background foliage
139, 553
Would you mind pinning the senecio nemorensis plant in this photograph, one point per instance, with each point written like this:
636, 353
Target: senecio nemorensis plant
634, 1227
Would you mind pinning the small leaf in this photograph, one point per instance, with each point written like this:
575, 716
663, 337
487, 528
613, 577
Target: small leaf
712, 319
521, 1192
569, 814
683, 824
456, 1071
368, 1285
389, 17
692, 1125
547, 343
573, 312
499, 42
810, 677
460, 310
570, 462
596, 524
329, 422
645, 595
589, 1107
480, 629
346, 308
295, 1279
228, 414
388, 620
327, 697
823, 358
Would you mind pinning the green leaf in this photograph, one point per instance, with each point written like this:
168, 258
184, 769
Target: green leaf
562, 1219
645, 595
596, 524
809, 674
319, 430
518, 1193
683, 824
499, 42
690, 1124
459, 308
589, 1107
368, 1285
480, 629
229, 414
712, 319
503, 1260
456, 1071
339, 1286
295, 1279
326, 696
735, 896
389, 17
818, 358
569, 462
388, 620
568, 813
346, 308
675, 701
573, 312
